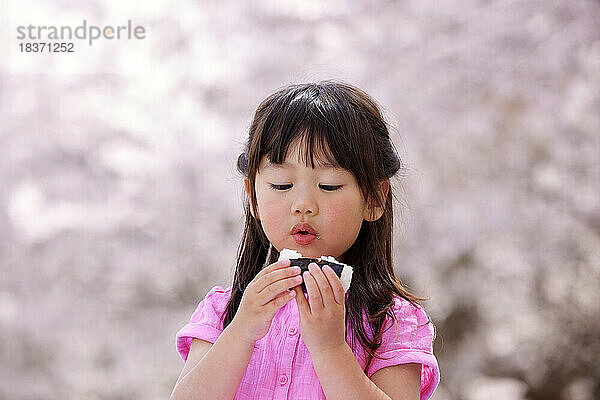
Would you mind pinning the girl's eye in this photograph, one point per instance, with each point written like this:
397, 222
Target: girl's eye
280, 187
329, 188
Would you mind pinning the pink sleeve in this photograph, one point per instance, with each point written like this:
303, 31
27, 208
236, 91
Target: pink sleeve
410, 342
205, 322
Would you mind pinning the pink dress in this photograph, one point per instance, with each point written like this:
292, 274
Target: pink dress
281, 367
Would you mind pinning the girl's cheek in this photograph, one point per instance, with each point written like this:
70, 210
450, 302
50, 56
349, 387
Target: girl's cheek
337, 217
350, 212
273, 213
273, 206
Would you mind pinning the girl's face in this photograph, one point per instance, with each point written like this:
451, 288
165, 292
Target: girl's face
326, 198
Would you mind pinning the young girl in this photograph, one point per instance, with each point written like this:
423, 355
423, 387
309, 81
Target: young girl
318, 158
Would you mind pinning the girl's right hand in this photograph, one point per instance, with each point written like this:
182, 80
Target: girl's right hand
263, 297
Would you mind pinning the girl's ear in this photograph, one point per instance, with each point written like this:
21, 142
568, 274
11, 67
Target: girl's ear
373, 212
247, 187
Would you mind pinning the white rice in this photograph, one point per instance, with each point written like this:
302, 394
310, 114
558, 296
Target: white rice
346, 278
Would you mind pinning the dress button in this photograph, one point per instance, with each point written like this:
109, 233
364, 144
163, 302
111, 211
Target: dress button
292, 330
283, 380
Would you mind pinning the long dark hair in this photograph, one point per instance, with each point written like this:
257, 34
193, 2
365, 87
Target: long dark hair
335, 116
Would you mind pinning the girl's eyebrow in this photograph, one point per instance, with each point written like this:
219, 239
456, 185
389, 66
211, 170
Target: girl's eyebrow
286, 164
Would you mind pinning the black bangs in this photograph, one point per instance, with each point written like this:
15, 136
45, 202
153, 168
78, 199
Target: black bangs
320, 120
313, 145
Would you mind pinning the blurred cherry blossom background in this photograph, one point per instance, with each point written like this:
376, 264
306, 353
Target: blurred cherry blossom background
120, 204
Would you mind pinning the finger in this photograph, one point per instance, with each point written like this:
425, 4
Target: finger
277, 287
323, 283
274, 276
316, 302
273, 267
278, 274
281, 300
303, 306
336, 284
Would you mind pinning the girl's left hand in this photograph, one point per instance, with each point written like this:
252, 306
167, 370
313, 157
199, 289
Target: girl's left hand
322, 321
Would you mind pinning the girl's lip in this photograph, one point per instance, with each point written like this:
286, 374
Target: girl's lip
303, 239
303, 227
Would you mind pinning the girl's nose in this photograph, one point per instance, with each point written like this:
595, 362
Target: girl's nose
304, 205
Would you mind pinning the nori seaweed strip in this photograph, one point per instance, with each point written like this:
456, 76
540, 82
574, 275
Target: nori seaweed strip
303, 264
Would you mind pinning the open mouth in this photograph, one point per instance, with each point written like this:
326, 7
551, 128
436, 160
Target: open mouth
304, 238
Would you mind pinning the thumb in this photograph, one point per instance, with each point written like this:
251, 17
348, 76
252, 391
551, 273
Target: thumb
301, 301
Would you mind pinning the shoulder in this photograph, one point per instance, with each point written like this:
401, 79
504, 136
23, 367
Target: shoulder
407, 309
215, 300
205, 323
218, 295
219, 292
412, 324
408, 340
